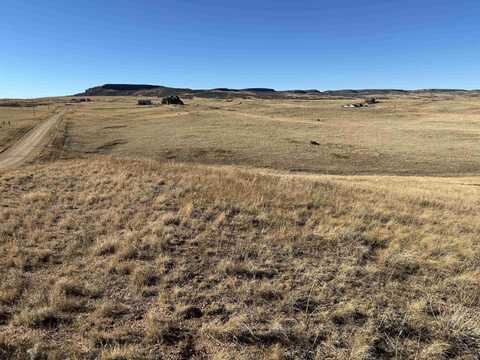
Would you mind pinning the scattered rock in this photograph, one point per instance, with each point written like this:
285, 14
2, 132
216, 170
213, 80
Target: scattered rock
172, 100
314, 143
358, 105
367, 103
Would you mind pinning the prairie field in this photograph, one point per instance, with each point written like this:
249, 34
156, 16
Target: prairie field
217, 230
399, 136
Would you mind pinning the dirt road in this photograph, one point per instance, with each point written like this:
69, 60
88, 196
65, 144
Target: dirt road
21, 150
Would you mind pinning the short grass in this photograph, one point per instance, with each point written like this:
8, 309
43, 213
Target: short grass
423, 135
122, 259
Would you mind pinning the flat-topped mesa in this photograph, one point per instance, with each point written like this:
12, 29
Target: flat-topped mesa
129, 87
245, 90
126, 90
255, 92
163, 91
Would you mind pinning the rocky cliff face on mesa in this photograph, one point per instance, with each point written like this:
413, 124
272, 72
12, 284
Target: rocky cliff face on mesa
257, 92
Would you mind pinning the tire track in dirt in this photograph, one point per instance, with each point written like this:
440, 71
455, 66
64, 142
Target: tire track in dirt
19, 152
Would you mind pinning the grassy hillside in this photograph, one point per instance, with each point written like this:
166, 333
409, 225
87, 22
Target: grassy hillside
415, 135
126, 259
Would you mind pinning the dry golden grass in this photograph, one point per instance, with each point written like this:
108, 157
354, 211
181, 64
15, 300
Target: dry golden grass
122, 259
410, 135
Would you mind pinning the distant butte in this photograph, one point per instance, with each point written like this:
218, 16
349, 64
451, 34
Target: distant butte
265, 93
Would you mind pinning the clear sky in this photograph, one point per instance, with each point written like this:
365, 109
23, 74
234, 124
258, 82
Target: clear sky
59, 47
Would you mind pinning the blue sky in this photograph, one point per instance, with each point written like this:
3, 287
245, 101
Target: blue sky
60, 47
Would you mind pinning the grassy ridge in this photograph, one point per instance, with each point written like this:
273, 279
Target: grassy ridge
108, 258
